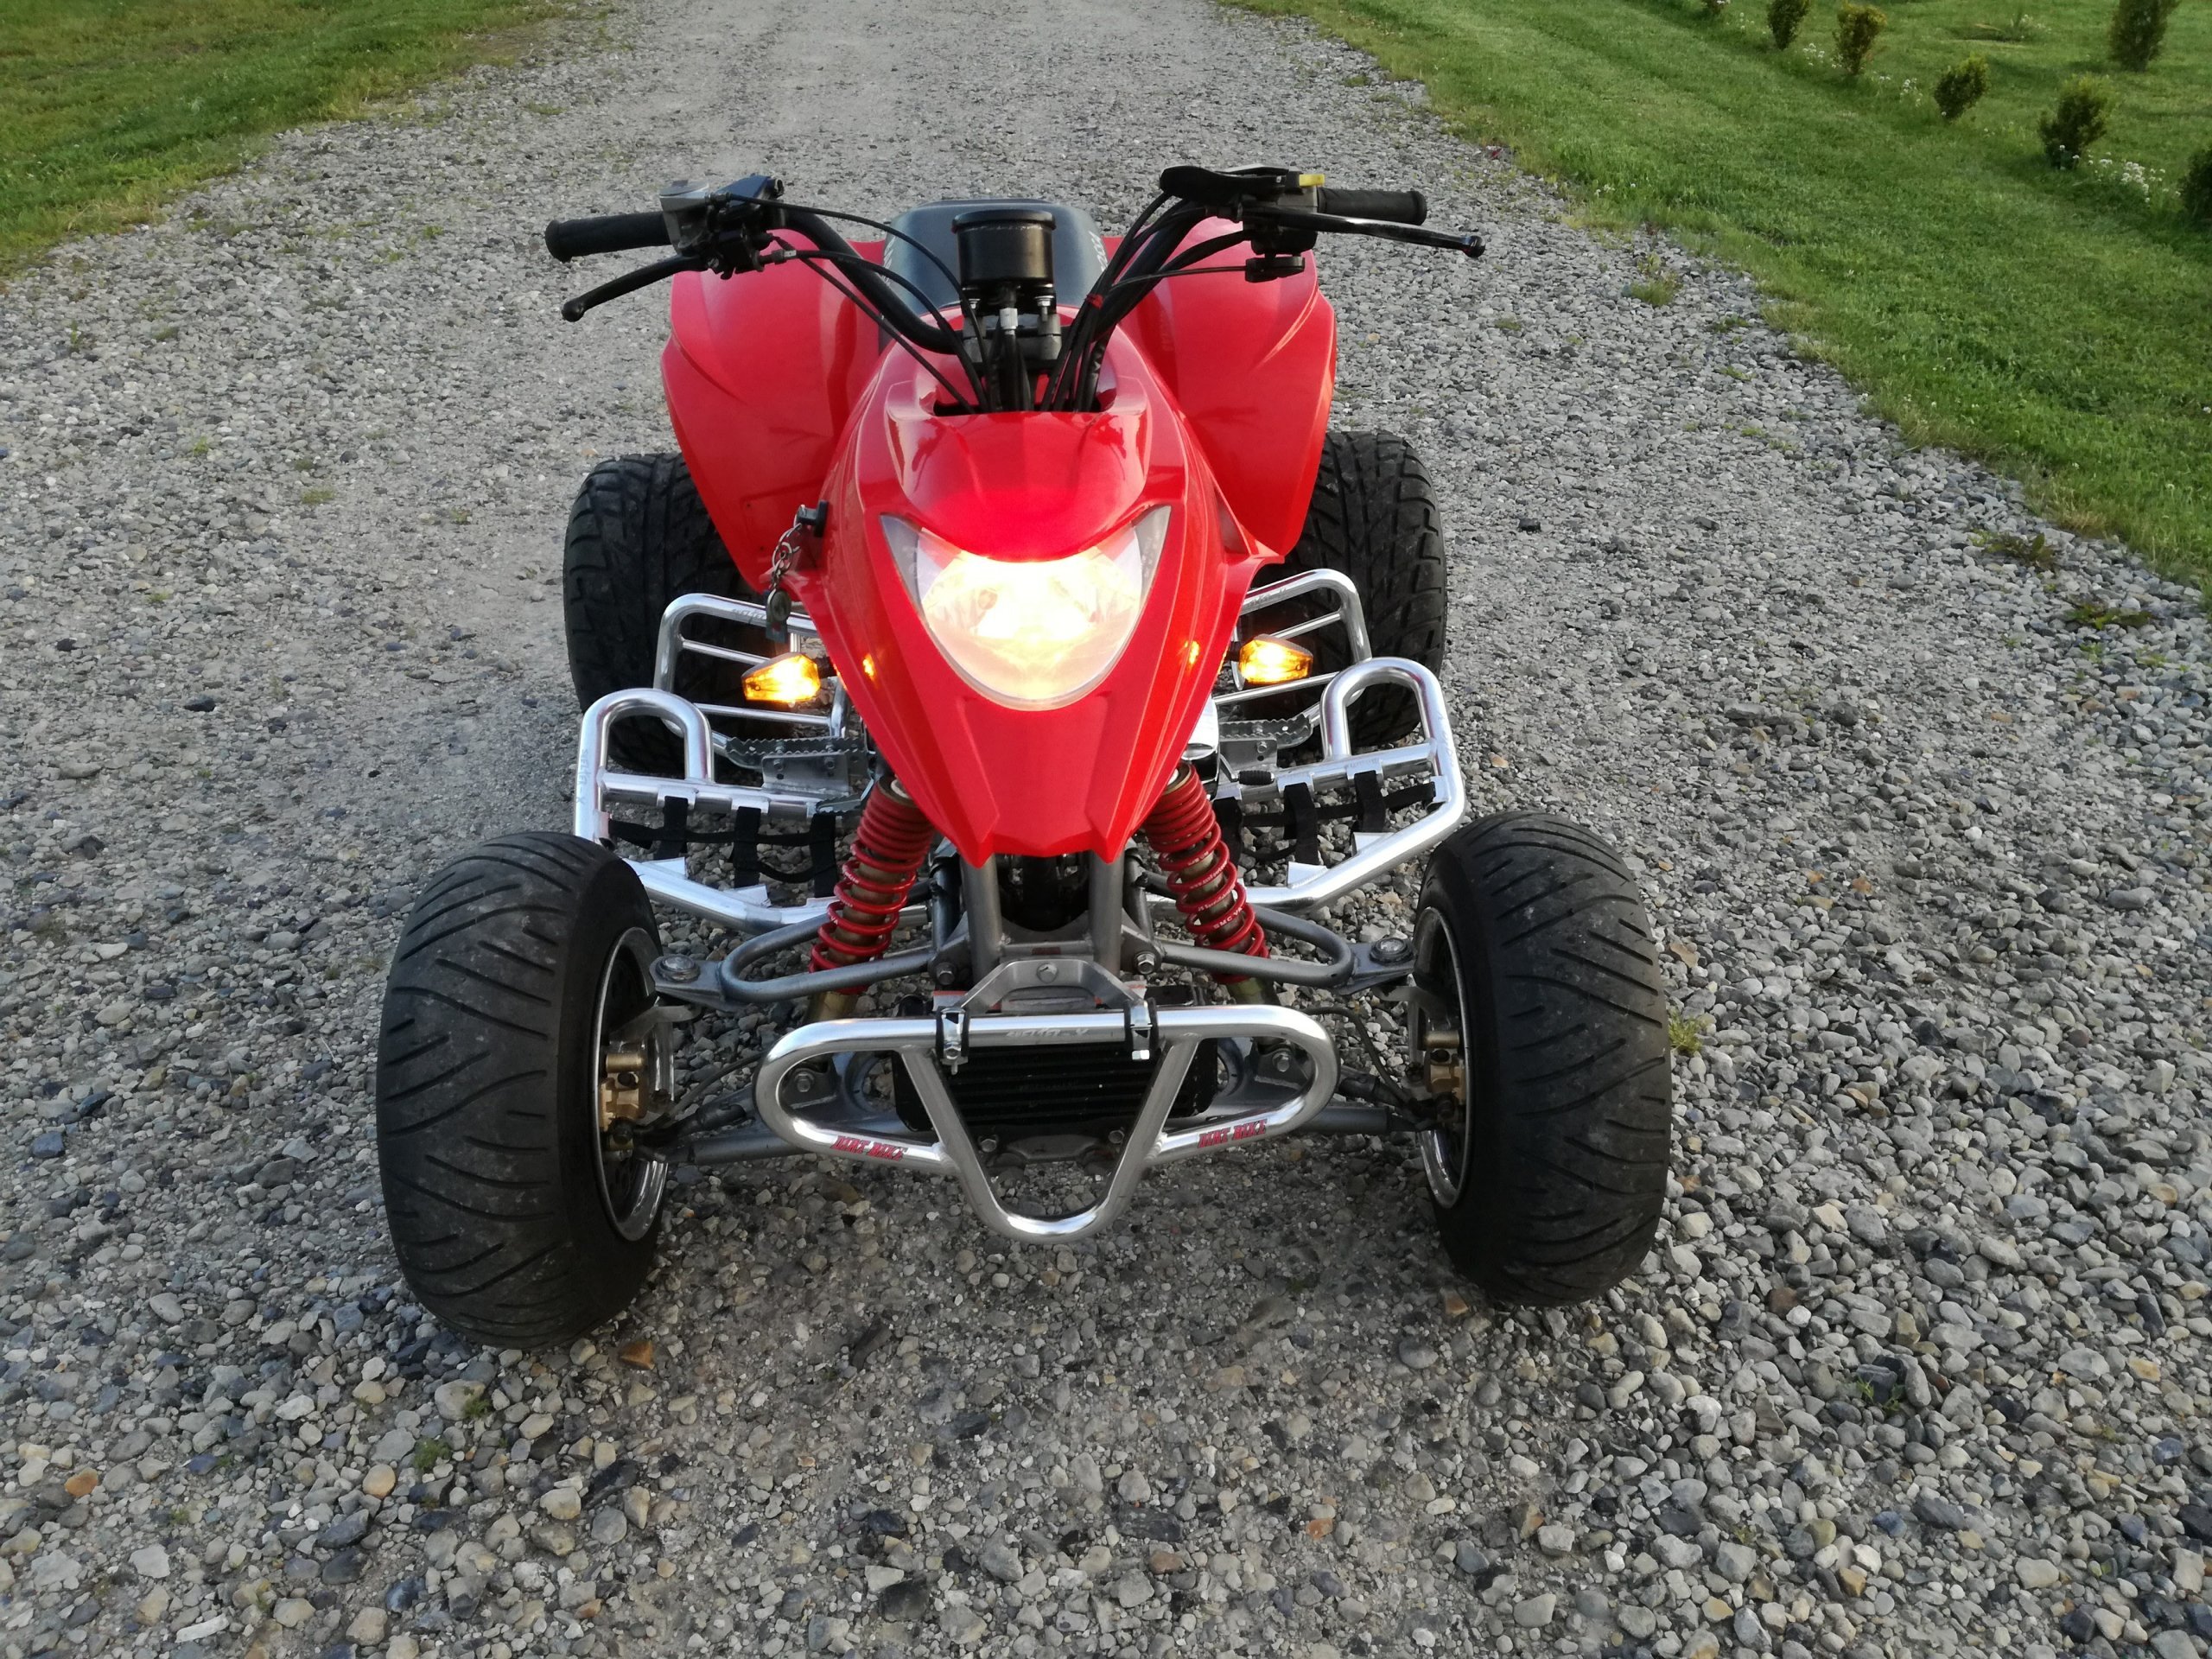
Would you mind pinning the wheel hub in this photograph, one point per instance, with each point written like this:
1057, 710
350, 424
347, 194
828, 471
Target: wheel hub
621, 1084
637, 1084
1435, 1039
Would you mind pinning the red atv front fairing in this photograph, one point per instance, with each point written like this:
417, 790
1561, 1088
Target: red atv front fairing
781, 394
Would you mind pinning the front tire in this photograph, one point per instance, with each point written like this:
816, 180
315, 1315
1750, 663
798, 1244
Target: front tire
1373, 519
639, 538
516, 1221
1541, 1013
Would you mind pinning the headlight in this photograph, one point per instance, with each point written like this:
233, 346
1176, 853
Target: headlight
1035, 633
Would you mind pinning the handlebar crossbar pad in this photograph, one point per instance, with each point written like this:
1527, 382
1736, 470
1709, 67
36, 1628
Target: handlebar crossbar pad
570, 238
1391, 206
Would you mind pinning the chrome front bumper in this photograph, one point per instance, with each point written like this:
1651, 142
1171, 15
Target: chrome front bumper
1174, 1034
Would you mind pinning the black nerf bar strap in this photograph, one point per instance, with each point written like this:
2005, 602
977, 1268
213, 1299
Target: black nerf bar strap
1392, 206
573, 239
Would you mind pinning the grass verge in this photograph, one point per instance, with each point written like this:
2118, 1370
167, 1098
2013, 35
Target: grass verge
108, 108
2055, 324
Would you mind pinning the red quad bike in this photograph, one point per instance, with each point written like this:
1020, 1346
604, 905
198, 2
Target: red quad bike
1020, 682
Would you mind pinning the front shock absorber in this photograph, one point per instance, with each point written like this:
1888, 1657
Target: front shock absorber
1185, 836
888, 848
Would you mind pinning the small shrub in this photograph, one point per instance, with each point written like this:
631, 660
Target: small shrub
2096, 613
2037, 555
2196, 187
1857, 29
2020, 28
2138, 31
1784, 18
2084, 111
1655, 284
1961, 85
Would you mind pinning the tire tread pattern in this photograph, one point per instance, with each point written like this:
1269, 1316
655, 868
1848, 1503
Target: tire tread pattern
1570, 1059
640, 537
1374, 518
491, 1191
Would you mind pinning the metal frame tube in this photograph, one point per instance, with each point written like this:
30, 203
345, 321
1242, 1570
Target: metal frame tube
1335, 968
1436, 754
914, 1043
979, 894
1106, 877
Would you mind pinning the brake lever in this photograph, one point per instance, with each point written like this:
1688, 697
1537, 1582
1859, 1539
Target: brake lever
628, 283
1419, 236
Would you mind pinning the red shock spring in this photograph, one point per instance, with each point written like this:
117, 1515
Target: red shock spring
1185, 837
888, 850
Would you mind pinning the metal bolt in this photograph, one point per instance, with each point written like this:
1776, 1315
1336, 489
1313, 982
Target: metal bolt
677, 970
1048, 971
1393, 952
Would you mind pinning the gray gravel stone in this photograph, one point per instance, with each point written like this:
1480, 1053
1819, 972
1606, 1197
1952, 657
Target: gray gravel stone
1926, 858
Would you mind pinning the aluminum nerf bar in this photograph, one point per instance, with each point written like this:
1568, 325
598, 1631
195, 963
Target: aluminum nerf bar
599, 787
1173, 1034
1435, 754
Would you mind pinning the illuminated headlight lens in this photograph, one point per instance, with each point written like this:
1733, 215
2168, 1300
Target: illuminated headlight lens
1035, 633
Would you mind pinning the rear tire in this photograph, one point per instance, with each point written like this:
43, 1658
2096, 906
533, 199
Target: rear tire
1373, 519
509, 1219
638, 537
1532, 942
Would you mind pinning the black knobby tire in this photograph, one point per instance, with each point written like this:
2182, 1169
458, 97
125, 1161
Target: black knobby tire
487, 1079
640, 537
1373, 519
1563, 1017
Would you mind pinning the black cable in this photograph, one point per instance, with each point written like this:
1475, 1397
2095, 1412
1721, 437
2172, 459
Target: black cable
1132, 242
868, 278
821, 263
914, 243
1116, 307
966, 310
1074, 388
1178, 268
1136, 248
844, 261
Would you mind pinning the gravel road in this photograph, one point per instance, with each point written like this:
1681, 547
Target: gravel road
1918, 1366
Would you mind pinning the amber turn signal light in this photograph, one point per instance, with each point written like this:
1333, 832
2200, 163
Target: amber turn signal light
1266, 661
791, 679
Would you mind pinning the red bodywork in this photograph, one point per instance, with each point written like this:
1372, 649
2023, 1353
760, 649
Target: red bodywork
1215, 397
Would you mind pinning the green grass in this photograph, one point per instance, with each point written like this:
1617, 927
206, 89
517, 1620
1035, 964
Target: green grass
108, 108
2058, 325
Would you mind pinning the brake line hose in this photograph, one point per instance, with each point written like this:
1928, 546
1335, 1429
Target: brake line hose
1185, 837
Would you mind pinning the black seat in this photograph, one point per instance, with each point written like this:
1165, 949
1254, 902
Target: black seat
1077, 254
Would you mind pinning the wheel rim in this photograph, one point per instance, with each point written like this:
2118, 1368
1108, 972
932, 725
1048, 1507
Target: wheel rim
1436, 1022
636, 1068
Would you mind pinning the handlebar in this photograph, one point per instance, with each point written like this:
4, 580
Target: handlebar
1276, 215
1391, 206
571, 239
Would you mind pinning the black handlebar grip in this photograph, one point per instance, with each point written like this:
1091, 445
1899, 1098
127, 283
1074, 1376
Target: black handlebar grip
570, 238
1392, 206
